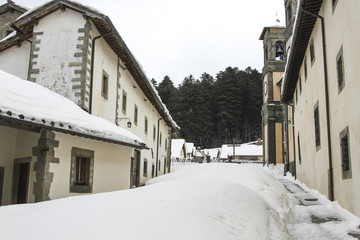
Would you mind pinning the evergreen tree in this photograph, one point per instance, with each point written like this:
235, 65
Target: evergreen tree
212, 112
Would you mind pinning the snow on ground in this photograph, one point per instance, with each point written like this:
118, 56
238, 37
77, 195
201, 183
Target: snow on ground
203, 201
321, 219
196, 201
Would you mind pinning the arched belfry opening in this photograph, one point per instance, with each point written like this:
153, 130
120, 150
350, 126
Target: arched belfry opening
279, 51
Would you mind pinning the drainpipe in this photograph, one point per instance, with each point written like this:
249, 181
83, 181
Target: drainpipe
92, 67
157, 147
293, 130
330, 172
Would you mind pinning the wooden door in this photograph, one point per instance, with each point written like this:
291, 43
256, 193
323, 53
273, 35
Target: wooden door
20, 184
135, 170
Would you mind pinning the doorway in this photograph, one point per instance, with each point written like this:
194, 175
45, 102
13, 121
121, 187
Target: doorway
2, 172
135, 170
20, 184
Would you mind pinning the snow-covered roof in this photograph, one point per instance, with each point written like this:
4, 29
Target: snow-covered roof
302, 29
249, 149
103, 25
212, 152
189, 147
177, 146
30, 104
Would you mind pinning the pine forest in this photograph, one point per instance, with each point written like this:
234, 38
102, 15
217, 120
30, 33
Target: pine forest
212, 111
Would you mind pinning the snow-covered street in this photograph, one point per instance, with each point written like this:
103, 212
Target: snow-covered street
200, 201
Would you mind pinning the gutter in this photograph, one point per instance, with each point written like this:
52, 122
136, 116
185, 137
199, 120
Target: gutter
92, 66
330, 171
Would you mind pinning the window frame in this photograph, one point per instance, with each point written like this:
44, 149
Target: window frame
160, 140
154, 132
124, 102
136, 113
87, 186
146, 123
312, 51
152, 170
305, 68
334, 4
299, 149
317, 126
341, 82
105, 85
344, 134
145, 167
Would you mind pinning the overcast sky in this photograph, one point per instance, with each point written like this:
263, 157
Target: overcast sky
182, 37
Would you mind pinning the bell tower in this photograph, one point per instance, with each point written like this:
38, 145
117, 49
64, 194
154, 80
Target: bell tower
273, 112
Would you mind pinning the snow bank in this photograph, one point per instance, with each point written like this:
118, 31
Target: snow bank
338, 222
210, 201
275, 206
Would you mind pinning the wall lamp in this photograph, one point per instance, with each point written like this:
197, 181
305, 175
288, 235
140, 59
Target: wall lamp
128, 123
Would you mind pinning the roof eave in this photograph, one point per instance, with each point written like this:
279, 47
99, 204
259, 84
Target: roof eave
303, 29
36, 127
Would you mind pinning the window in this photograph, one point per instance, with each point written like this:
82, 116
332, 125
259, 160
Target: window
154, 133
305, 68
312, 52
152, 170
82, 171
165, 144
334, 3
296, 94
124, 99
300, 85
288, 13
82, 168
145, 167
345, 153
266, 54
135, 114
146, 125
105, 85
299, 149
317, 126
160, 138
159, 165
340, 70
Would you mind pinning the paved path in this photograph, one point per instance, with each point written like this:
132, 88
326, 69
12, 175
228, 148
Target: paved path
313, 219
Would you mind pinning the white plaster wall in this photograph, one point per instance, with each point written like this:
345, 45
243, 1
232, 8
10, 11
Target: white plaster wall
342, 29
7, 153
111, 165
105, 59
58, 45
16, 144
15, 60
313, 169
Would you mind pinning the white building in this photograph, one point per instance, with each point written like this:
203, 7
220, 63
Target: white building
321, 82
178, 150
77, 52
